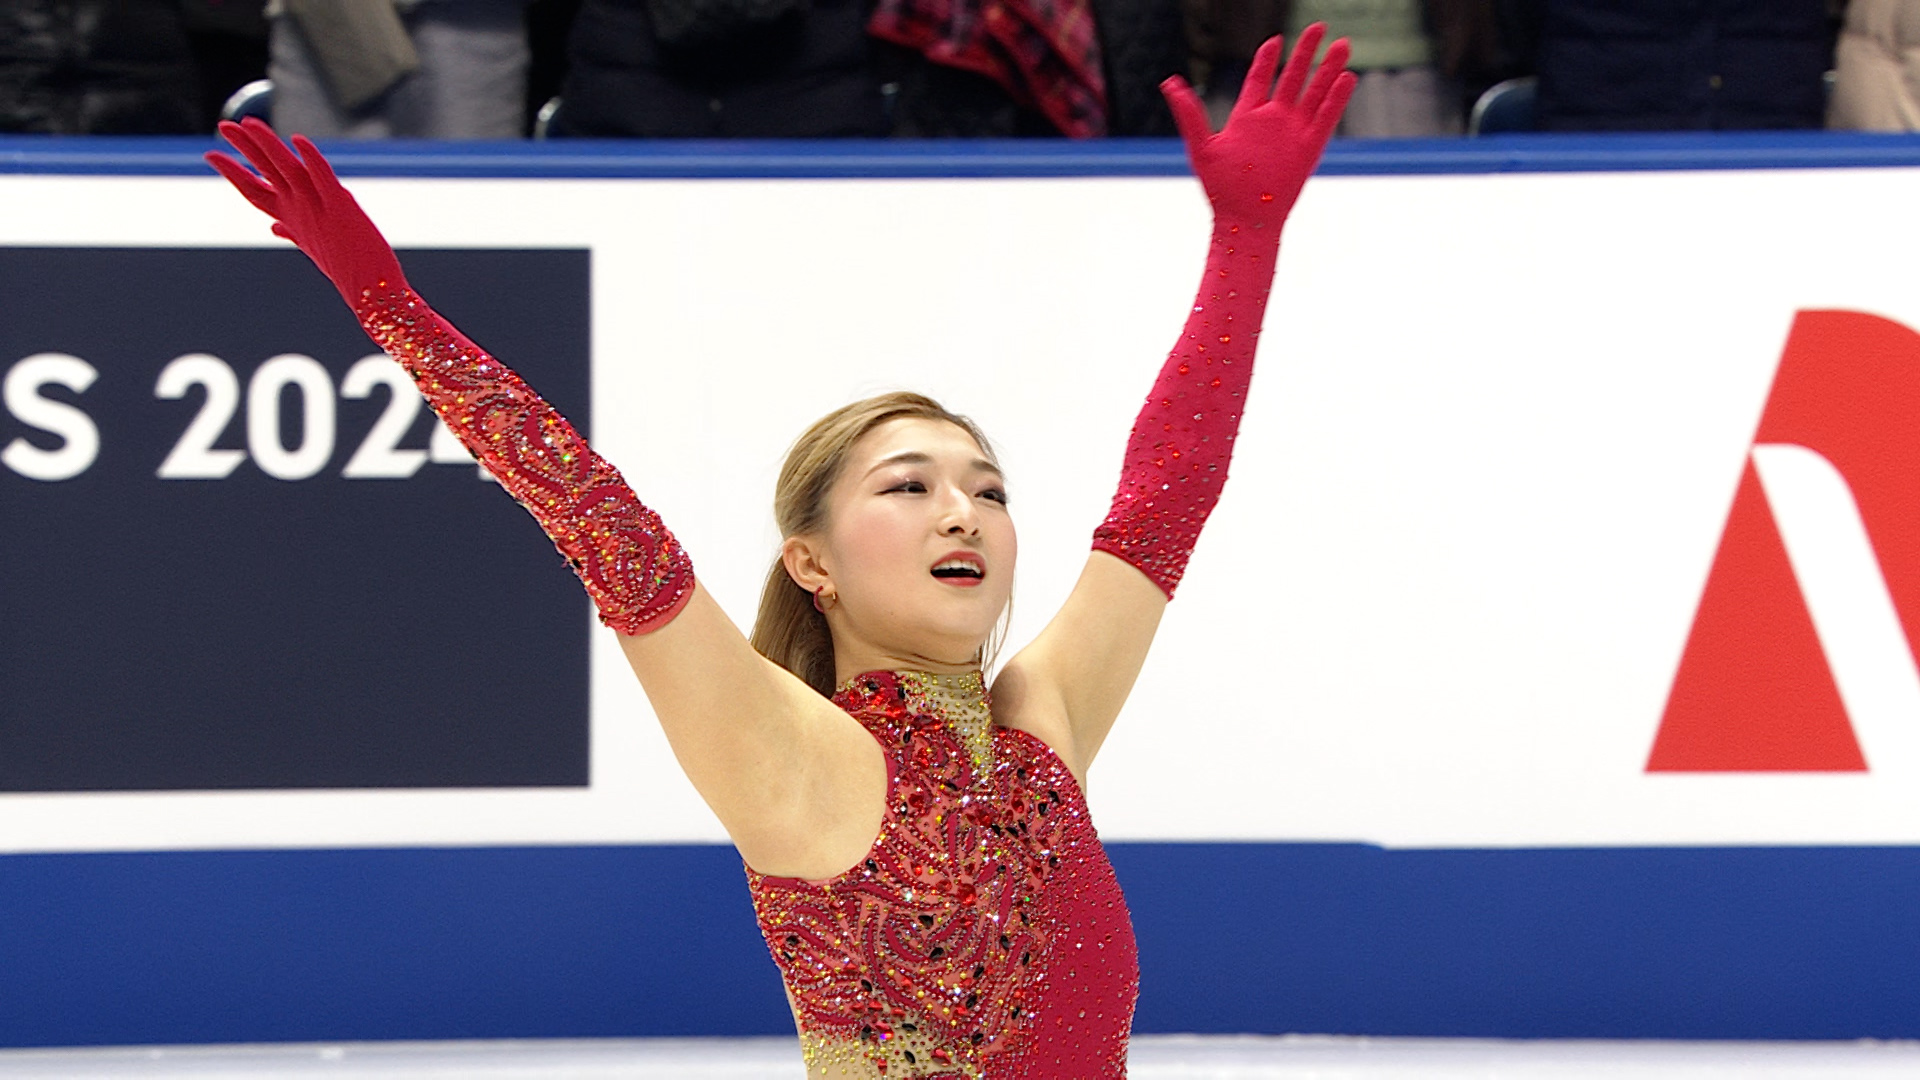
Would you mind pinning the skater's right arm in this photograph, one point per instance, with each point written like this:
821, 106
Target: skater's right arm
786, 772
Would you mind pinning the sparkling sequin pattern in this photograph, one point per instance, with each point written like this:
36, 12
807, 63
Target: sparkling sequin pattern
984, 934
1182, 440
636, 572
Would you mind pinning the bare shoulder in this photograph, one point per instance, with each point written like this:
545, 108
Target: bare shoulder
798, 784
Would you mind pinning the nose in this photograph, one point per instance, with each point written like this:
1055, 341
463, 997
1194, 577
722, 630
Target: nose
958, 515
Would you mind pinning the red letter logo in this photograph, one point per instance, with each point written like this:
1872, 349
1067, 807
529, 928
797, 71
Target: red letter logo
1806, 626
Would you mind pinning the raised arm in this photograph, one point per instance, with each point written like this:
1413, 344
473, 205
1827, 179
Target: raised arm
636, 572
767, 753
1069, 684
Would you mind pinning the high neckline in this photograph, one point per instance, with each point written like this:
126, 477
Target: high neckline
959, 702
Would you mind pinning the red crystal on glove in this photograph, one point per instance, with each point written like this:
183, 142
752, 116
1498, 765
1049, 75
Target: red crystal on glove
1183, 438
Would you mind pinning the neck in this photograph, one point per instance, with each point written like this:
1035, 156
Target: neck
853, 657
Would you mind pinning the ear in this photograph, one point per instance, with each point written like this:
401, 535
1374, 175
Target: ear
802, 557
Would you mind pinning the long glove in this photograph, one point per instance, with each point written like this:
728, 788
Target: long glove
1252, 171
637, 573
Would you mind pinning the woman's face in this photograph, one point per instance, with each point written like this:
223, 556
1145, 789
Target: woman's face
919, 548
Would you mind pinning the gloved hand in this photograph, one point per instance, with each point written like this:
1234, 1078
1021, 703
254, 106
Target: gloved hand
309, 207
1255, 167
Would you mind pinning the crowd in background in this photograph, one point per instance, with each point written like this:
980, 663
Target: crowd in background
919, 68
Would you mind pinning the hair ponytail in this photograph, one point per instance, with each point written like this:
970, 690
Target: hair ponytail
791, 632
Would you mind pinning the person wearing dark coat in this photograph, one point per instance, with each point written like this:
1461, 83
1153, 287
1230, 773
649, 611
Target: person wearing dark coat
707, 69
832, 68
1682, 65
97, 67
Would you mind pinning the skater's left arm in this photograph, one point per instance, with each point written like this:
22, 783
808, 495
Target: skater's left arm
1067, 687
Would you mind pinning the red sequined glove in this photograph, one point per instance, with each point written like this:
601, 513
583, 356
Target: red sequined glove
635, 570
1252, 172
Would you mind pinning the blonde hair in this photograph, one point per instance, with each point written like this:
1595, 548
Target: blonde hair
789, 630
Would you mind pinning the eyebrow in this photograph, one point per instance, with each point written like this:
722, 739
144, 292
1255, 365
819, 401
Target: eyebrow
916, 457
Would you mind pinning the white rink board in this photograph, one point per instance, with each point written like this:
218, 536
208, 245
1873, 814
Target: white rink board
1495, 432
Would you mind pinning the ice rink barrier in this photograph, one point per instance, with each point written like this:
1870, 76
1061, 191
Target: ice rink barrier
1391, 772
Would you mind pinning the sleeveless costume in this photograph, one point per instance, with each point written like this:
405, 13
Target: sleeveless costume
984, 934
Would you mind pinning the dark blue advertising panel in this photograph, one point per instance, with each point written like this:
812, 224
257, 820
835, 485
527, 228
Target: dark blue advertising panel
236, 555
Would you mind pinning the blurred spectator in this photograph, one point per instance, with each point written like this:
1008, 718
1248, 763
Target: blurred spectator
1672, 65
721, 68
548, 24
1033, 67
1141, 43
1402, 92
1877, 68
1223, 35
439, 69
229, 42
107, 67
1420, 62
828, 68
934, 100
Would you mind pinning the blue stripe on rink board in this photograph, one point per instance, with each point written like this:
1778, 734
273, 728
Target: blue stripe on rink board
1693, 943
854, 158
1668, 943
381, 944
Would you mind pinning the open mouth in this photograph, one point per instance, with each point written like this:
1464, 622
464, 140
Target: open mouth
959, 569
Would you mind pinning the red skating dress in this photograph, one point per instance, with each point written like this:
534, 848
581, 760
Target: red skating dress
983, 935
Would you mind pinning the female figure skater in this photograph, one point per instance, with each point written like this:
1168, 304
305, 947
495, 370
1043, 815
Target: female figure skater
921, 863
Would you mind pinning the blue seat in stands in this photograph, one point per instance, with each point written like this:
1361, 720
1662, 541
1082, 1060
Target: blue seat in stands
254, 99
1505, 107
543, 120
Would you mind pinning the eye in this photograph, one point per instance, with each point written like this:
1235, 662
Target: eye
998, 495
910, 487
